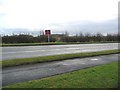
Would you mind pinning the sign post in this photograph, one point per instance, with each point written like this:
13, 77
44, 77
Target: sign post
48, 38
48, 33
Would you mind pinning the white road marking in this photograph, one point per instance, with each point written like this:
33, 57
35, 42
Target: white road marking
50, 69
94, 59
82, 63
26, 51
65, 64
36, 51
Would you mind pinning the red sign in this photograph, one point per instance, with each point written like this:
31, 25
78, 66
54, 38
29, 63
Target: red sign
47, 32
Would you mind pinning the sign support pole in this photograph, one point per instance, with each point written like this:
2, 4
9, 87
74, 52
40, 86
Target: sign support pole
48, 33
48, 38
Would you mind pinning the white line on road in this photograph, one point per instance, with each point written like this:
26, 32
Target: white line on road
94, 59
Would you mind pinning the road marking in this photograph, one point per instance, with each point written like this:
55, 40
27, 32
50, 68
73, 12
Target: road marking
50, 69
94, 59
82, 63
65, 64
36, 51
27, 51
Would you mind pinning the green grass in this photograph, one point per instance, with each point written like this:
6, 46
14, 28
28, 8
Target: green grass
50, 43
103, 76
34, 44
14, 62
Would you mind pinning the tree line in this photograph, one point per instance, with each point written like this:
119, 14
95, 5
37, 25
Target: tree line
81, 37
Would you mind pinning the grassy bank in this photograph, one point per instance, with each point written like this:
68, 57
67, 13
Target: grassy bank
14, 62
50, 43
103, 76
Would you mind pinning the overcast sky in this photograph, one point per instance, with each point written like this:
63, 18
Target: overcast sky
57, 14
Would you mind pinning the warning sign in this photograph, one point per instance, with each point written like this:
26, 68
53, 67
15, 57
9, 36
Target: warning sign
47, 32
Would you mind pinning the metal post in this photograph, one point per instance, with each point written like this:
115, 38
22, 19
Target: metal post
48, 38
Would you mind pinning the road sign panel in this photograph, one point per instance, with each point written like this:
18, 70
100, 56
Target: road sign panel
47, 32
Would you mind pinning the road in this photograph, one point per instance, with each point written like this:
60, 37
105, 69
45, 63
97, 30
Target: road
23, 73
9, 53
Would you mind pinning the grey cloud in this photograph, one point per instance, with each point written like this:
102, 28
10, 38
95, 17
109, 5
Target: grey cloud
74, 27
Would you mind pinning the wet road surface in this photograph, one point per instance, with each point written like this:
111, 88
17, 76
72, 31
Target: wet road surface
23, 73
34, 51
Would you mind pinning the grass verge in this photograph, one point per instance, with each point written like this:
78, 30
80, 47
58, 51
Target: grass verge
14, 62
50, 43
103, 76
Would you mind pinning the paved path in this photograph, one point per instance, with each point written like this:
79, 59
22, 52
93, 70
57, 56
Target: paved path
36, 71
34, 51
